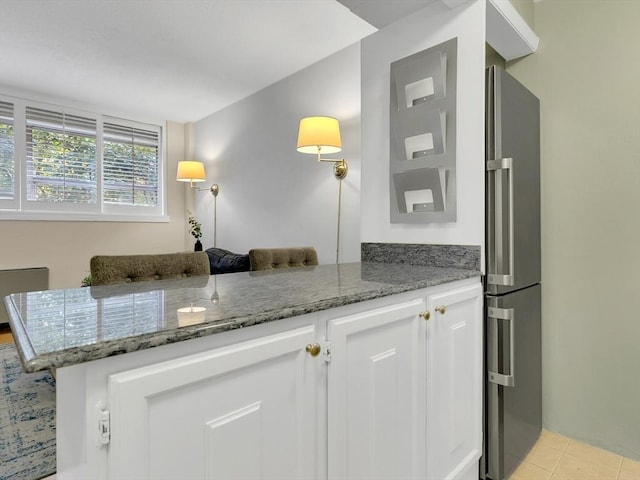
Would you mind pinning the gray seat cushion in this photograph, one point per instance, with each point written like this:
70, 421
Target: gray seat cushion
114, 269
289, 257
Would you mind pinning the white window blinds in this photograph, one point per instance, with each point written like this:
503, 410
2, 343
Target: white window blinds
7, 162
61, 157
59, 163
130, 165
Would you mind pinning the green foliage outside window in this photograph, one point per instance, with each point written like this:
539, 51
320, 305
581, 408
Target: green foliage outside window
62, 166
64, 162
130, 174
6, 161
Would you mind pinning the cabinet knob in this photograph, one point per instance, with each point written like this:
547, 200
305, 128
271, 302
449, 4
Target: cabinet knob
426, 315
313, 349
441, 309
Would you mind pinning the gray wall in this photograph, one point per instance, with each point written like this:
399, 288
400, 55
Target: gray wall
587, 75
271, 195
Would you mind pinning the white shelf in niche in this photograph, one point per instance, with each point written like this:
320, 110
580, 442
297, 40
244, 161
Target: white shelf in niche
418, 145
420, 79
420, 133
419, 200
421, 190
419, 91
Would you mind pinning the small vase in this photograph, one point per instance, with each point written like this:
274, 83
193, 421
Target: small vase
198, 246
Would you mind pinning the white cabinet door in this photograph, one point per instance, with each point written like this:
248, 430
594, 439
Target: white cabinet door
247, 411
454, 383
376, 394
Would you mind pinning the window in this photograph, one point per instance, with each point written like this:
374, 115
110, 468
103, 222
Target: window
61, 157
130, 165
7, 166
56, 163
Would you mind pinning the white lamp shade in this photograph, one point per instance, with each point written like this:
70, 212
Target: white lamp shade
190, 171
319, 135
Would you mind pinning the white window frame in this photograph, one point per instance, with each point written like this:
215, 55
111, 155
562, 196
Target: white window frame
14, 203
21, 209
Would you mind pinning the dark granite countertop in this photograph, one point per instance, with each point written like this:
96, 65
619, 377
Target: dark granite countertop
56, 328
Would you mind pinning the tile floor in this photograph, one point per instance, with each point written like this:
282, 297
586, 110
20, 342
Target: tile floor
555, 457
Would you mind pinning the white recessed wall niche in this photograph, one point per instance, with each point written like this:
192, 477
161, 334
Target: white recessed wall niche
422, 124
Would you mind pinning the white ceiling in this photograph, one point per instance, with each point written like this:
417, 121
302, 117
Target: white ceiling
177, 60
381, 13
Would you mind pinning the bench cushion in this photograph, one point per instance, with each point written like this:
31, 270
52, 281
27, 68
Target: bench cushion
290, 257
115, 269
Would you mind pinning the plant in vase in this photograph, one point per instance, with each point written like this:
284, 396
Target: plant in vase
195, 229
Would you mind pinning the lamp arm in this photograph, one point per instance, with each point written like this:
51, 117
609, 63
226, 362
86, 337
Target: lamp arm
340, 166
214, 189
320, 159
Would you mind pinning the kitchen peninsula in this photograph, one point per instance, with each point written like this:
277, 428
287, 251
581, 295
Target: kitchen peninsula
328, 381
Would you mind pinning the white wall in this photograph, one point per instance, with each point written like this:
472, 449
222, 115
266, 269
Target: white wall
67, 247
271, 195
586, 73
427, 28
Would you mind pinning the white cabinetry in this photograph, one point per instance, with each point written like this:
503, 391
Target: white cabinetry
454, 383
392, 396
246, 411
376, 394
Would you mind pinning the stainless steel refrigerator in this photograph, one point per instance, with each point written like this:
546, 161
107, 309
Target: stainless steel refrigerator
513, 398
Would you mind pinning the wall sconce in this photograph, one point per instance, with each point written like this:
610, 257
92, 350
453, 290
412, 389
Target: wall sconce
193, 172
318, 135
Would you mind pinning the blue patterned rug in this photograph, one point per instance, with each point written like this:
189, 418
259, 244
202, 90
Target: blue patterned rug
27, 420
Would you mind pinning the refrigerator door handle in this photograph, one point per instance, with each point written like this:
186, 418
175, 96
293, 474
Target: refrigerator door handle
494, 313
499, 278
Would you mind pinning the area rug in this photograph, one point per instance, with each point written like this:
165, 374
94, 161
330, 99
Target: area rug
27, 420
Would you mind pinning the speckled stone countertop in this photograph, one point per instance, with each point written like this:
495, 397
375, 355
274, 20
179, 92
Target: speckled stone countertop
56, 328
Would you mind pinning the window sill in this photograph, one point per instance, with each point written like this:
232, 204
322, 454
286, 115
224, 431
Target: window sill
81, 217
